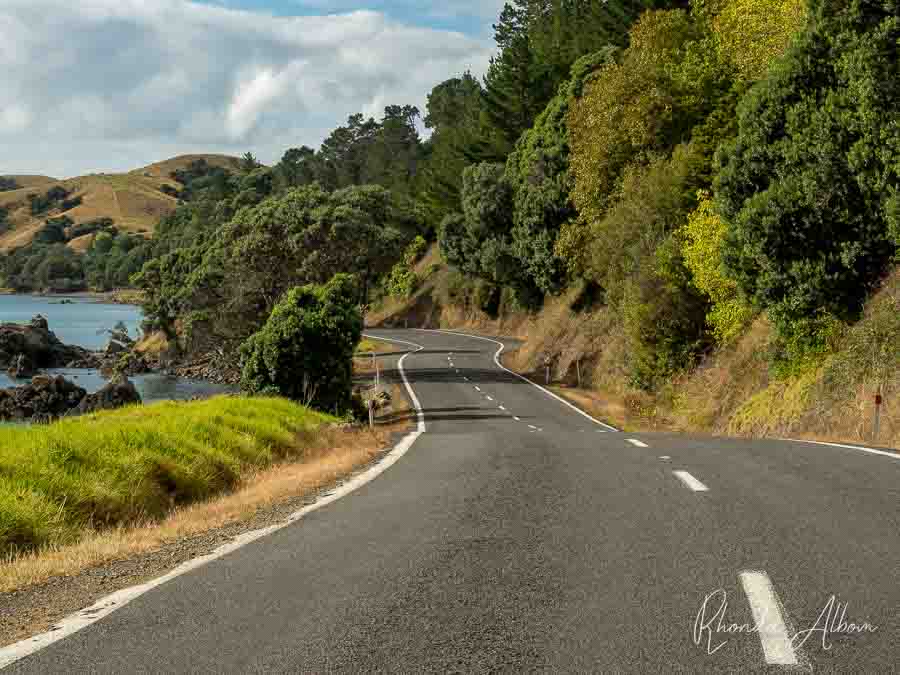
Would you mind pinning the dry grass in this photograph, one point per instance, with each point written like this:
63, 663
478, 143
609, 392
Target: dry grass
335, 454
153, 344
729, 393
133, 200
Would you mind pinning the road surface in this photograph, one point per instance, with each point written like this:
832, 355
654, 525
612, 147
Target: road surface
518, 535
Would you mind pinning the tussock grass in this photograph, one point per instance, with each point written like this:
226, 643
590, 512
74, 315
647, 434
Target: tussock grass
133, 464
333, 453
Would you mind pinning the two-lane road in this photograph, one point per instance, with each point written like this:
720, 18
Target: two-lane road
517, 534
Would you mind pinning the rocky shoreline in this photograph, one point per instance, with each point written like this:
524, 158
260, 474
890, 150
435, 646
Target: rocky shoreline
28, 349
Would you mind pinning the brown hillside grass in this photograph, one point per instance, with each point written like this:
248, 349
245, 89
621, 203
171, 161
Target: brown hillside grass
133, 200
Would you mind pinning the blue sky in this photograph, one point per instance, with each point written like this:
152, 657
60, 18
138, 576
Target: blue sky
467, 16
131, 82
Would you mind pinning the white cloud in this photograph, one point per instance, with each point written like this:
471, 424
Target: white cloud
107, 85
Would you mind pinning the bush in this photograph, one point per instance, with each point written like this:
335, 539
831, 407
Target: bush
403, 280
42, 203
7, 184
809, 185
68, 204
703, 237
305, 349
664, 316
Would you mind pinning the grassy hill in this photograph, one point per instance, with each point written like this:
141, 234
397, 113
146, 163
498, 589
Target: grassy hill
133, 200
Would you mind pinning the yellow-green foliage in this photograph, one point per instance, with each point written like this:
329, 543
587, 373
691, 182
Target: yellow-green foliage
626, 109
778, 407
750, 34
702, 249
121, 466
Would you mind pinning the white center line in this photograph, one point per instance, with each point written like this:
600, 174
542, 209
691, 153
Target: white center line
768, 615
636, 442
690, 481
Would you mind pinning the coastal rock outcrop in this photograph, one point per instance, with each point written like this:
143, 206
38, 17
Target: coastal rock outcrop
120, 392
46, 398
40, 347
21, 367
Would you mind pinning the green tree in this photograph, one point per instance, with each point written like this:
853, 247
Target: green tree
538, 172
454, 116
809, 186
305, 349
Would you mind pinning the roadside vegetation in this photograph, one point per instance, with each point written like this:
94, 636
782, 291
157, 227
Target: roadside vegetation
665, 180
122, 467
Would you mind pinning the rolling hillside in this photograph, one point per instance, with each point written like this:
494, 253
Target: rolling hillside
134, 200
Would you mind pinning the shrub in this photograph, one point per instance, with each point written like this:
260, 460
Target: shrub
664, 316
305, 349
403, 280
809, 185
703, 237
7, 184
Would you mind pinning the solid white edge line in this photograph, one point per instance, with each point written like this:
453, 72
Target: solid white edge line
769, 619
110, 603
689, 480
862, 448
521, 377
638, 443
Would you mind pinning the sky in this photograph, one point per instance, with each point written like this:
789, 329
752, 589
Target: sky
112, 85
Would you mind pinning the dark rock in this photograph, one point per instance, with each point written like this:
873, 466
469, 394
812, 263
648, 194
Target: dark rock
21, 367
115, 347
46, 398
39, 322
119, 392
126, 363
43, 349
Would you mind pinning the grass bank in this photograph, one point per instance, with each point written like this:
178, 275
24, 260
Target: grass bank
131, 465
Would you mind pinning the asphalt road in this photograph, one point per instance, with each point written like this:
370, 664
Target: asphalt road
517, 535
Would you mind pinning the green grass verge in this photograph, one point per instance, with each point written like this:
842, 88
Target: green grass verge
128, 465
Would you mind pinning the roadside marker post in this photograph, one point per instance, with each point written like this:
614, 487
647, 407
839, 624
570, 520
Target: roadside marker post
877, 422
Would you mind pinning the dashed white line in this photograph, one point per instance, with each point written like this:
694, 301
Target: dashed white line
690, 481
769, 617
531, 426
501, 407
521, 377
489, 398
636, 442
666, 457
477, 388
517, 419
